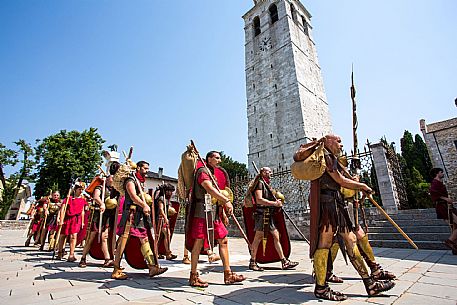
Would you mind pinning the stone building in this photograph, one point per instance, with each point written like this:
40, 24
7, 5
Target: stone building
286, 100
153, 180
441, 140
18, 208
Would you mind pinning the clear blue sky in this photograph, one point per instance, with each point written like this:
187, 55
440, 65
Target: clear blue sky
155, 74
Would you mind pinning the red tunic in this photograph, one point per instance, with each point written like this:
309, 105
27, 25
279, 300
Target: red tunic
198, 227
437, 190
38, 217
73, 220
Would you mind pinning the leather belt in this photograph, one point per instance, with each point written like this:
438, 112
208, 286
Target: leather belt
333, 193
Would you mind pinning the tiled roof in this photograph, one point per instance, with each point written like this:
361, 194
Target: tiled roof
154, 175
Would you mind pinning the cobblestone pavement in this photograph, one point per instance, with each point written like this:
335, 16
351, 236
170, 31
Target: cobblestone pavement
28, 276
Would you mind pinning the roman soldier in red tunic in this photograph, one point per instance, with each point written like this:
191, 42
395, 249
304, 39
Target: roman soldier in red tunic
201, 230
38, 214
52, 224
166, 213
72, 221
105, 203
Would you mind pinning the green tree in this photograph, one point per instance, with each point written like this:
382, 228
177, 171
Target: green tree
12, 184
416, 165
233, 168
64, 156
423, 161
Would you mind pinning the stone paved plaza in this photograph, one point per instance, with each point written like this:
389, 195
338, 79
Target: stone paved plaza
28, 276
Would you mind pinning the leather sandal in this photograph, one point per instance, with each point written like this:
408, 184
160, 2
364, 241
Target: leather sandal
213, 257
374, 287
59, 255
82, 263
71, 259
332, 278
186, 260
195, 281
325, 293
383, 275
232, 278
288, 264
170, 256
253, 266
156, 270
117, 274
108, 263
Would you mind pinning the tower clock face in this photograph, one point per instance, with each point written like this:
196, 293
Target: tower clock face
265, 44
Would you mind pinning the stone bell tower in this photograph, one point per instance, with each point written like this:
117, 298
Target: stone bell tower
286, 99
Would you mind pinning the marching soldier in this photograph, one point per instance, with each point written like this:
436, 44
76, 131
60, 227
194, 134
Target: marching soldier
71, 222
38, 213
162, 206
107, 207
265, 222
329, 218
52, 220
135, 222
198, 224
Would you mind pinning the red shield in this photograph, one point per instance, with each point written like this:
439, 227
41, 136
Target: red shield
95, 250
271, 255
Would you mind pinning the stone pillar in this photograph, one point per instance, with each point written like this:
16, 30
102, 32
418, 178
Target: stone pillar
386, 182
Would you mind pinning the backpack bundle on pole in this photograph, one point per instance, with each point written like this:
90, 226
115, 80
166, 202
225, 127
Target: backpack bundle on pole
186, 172
309, 161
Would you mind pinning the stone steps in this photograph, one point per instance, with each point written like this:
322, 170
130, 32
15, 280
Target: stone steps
413, 236
411, 229
430, 245
422, 227
405, 223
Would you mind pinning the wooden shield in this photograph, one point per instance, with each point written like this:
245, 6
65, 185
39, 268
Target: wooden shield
271, 255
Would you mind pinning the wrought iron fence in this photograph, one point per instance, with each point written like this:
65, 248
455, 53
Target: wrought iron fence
367, 171
295, 191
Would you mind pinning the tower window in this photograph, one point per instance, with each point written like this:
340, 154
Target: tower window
276, 87
292, 12
256, 130
273, 13
254, 108
271, 66
271, 136
305, 25
257, 30
253, 86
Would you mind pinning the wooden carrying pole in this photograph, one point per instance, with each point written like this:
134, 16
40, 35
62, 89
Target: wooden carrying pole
61, 220
390, 220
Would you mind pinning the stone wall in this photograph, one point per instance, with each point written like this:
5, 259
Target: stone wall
441, 141
13, 224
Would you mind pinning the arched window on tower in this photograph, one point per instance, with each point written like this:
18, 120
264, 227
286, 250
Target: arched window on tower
305, 25
273, 13
257, 30
293, 12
